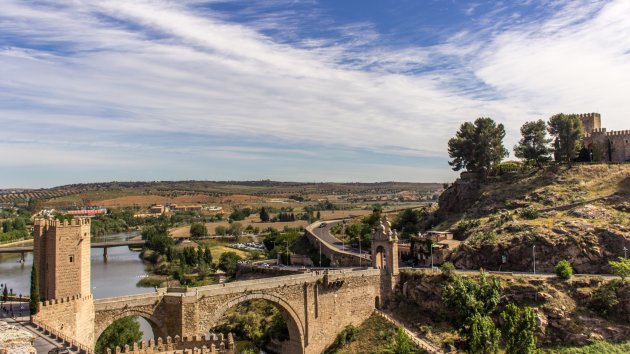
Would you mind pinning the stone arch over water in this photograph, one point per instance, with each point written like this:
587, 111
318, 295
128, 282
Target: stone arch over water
296, 342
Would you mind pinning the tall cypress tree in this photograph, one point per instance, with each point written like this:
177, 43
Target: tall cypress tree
34, 299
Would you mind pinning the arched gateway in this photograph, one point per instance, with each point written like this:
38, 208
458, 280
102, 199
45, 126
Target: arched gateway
316, 305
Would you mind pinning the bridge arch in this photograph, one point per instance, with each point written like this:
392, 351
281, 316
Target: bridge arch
294, 322
103, 321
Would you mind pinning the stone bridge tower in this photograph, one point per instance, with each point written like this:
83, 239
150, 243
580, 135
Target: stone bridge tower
61, 254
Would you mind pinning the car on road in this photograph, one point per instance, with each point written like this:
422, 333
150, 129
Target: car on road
322, 225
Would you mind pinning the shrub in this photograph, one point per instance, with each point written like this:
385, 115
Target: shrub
530, 213
621, 268
465, 227
604, 299
564, 270
448, 269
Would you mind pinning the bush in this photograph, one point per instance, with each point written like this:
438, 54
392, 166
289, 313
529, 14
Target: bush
465, 227
448, 269
530, 213
564, 270
604, 299
198, 229
621, 268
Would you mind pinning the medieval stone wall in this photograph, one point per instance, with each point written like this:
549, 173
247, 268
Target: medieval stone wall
612, 146
71, 317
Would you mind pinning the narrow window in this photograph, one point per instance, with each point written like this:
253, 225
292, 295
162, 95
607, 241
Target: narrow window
71, 259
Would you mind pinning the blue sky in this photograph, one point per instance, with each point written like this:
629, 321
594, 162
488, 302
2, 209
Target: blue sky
299, 90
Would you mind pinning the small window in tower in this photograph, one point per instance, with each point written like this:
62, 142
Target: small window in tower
71, 259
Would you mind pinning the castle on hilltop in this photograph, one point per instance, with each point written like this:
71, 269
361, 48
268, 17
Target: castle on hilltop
612, 146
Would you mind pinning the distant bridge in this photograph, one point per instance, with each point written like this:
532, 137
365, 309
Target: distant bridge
104, 245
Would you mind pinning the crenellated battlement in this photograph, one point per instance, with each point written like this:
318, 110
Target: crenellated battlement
46, 222
603, 145
214, 344
66, 299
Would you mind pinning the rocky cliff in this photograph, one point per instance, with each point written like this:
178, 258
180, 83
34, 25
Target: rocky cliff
580, 214
563, 308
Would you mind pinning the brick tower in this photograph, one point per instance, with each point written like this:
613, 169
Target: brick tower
62, 257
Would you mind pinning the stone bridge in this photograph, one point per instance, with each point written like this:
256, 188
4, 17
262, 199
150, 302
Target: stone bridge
316, 307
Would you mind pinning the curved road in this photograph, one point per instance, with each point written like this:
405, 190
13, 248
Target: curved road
323, 234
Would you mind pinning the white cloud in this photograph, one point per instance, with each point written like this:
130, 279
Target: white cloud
158, 67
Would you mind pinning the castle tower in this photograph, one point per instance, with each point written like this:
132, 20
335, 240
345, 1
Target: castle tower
385, 248
591, 121
61, 252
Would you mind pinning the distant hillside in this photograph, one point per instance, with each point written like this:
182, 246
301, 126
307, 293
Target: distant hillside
580, 214
93, 192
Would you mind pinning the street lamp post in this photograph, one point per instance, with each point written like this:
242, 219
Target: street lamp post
534, 253
320, 253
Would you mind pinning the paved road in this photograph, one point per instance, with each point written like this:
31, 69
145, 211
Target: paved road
43, 344
323, 233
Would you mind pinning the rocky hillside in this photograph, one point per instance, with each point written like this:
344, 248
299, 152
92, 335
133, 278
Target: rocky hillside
581, 214
568, 313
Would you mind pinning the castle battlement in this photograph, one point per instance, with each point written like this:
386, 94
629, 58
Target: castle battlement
45, 222
192, 344
602, 145
65, 300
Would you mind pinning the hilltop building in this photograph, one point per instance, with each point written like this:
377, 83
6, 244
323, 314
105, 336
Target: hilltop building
612, 146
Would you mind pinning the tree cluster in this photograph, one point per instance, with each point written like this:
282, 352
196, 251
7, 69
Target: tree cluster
478, 146
473, 302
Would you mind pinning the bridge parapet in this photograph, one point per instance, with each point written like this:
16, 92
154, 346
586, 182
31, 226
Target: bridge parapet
187, 345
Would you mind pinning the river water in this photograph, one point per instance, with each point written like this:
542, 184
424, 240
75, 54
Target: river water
115, 277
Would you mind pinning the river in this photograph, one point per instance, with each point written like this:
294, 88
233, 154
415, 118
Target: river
115, 277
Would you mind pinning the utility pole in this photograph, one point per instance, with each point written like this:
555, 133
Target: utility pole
360, 253
534, 253
625, 252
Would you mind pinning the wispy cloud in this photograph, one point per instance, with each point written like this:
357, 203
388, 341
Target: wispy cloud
137, 75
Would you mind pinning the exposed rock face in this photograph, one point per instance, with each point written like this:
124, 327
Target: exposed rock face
15, 340
561, 307
457, 198
586, 247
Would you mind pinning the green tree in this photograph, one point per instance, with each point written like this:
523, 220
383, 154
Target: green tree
207, 255
402, 344
5, 293
157, 238
477, 146
469, 296
34, 297
220, 230
621, 268
235, 229
564, 270
119, 333
534, 144
198, 229
567, 131
483, 336
264, 215
518, 329
228, 262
